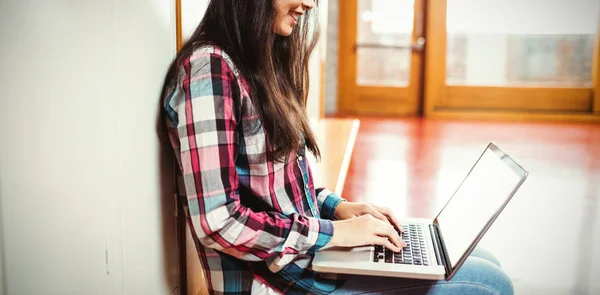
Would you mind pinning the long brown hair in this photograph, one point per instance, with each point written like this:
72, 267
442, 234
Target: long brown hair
275, 67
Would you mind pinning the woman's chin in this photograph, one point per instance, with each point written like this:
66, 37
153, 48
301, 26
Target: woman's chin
284, 31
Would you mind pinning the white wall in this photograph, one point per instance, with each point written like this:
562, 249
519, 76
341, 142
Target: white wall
1, 250
314, 104
85, 192
192, 12
331, 68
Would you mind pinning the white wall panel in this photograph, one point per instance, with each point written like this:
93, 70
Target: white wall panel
85, 190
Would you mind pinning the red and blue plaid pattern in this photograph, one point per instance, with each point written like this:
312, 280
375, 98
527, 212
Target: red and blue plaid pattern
253, 220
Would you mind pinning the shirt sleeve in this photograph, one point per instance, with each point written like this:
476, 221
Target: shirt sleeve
208, 110
327, 202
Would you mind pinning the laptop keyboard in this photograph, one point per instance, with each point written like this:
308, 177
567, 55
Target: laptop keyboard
415, 252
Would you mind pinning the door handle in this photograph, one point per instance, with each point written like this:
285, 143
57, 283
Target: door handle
417, 47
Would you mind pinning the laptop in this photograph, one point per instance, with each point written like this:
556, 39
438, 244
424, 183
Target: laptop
437, 248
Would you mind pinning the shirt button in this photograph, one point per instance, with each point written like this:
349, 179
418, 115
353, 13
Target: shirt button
299, 158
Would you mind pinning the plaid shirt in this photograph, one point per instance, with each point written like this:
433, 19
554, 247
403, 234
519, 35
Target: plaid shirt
255, 222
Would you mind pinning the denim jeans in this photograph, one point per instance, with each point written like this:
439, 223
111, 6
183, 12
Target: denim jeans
480, 274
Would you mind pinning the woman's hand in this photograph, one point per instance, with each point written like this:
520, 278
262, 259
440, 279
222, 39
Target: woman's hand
347, 210
366, 230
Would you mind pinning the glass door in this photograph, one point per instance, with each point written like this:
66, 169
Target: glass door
381, 56
512, 58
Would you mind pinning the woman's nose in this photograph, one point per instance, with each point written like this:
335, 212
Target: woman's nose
308, 4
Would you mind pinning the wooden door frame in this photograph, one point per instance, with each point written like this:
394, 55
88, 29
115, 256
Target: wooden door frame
457, 102
596, 75
178, 26
180, 215
374, 99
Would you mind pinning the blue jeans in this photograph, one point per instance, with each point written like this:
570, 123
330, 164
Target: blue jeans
480, 274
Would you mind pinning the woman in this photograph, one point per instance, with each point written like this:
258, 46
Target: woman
234, 101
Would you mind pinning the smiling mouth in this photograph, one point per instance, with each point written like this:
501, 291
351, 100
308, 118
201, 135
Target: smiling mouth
295, 16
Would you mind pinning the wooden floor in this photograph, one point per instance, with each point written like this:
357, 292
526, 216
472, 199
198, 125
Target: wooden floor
548, 238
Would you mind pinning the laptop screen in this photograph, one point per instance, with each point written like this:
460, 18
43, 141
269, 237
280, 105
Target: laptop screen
483, 192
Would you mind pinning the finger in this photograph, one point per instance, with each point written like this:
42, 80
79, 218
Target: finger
386, 243
370, 209
395, 238
391, 217
391, 234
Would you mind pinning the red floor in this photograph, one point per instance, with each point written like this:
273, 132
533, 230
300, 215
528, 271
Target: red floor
548, 238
